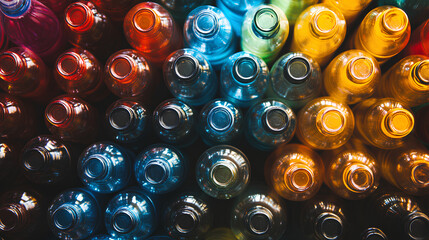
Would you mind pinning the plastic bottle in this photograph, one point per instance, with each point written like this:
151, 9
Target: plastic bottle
209, 32
180, 9
350, 9
4, 42
102, 237
243, 79
264, 32
220, 234
57, 6
17, 118
235, 10
9, 155
269, 123
407, 81
383, 123
383, 33
74, 214
325, 124
415, 9
174, 122
373, 234
160, 238
295, 79
352, 76
419, 41
319, 31
151, 30
293, 8
131, 214
295, 172
220, 122
116, 9
160, 168
190, 77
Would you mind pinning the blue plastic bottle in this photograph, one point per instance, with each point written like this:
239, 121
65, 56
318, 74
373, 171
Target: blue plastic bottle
223, 172
74, 214
220, 122
103, 237
105, 167
243, 79
174, 122
235, 10
208, 31
131, 214
160, 168
269, 123
190, 77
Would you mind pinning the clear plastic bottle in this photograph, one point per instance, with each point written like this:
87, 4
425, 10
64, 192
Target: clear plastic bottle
383, 33
350, 9
174, 122
269, 123
223, 172
325, 124
383, 123
17, 118
293, 8
131, 214
220, 234
415, 9
319, 31
419, 41
243, 79
160, 168
208, 31
407, 81
74, 214
190, 77
235, 10
105, 167
352, 76
264, 32
295, 172
295, 78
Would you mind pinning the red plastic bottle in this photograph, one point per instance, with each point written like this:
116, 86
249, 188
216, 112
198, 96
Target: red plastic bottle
116, 9
17, 118
419, 41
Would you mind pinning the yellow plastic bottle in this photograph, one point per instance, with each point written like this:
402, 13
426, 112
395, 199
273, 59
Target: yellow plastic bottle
383, 33
407, 81
295, 172
325, 123
319, 31
352, 76
349, 8
383, 123
220, 234
351, 171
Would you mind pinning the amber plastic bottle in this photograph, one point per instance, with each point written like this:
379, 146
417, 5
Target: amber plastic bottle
319, 31
352, 76
383, 33
350, 9
383, 123
407, 81
17, 118
325, 123
295, 172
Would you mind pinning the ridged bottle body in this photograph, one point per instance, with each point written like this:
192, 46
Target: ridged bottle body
419, 41
235, 10
350, 9
17, 120
293, 8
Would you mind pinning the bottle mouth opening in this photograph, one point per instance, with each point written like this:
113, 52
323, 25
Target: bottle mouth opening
95, 168
186, 221
275, 120
145, 20
206, 24
360, 69
325, 23
245, 70
418, 226
64, 218
421, 71
186, 67
330, 121
121, 118
297, 70
58, 112
359, 178
34, 159
69, 64
170, 117
398, 123
420, 174
329, 226
220, 119
260, 220
394, 21
299, 178
9, 218
123, 221
223, 174
79, 16
10, 64
121, 67
156, 172
373, 234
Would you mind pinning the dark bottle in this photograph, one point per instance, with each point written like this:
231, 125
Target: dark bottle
9, 154
3, 35
17, 118
415, 9
419, 41
180, 9
103, 237
116, 9
372, 234
57, 6
421, 126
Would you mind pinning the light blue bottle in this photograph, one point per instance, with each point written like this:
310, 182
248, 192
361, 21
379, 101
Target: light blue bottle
190, 77
269, 123
105, 167
220, 122
131, 214
243, 79
174, 122
208, 31
160, 168
223, 172
74, 214
235, 10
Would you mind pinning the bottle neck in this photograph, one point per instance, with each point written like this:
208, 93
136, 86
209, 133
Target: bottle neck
220, 119
12, 217
420, 73
70, 66
324, 24
299, 177
156, 171
330, 121
206, 24
358, 178
259, 220
417, 225
420, 173
223, 173
79, 17
146, 21
59, 113
245, 70
12, 66
266, 23
123, 69
275, 120
186, 220
14, 8
397, 123
360, 69
96, 167
124, 220
394, 22
65, 217
373, 233
297, 70
122, 118
187, 69
171, 117
328, 225
35, 159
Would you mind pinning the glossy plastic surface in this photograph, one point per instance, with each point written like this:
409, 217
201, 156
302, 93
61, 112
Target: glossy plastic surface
235, 10
17, 118
350, 9
293, 8
9, 155
116, 9
180, 9
419, 41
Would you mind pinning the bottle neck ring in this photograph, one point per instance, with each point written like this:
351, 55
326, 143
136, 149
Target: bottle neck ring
186, 68
14, 8
70, 66
220, 118
206, 24
397, 123
186, 220
330, 121
299, 177
35, 159
59, 113
324, 24
11, 217
245, 70
259, 220
156, 171
79, 17
360, 70
223, 174
65, 218
265, 23
96, 167
328, 226
358, 178
11, 66
171, 117
122, 118
297, 70
124, 220
146, 20
275, 120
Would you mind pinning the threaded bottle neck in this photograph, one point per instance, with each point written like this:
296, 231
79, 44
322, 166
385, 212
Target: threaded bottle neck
14, 8
265, 23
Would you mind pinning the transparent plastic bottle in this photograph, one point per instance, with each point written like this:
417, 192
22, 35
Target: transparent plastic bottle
319, 31
220, 234
74, 214
352, 76
373, 234
419, 41
57, 6
160, 168
235, 11
264, 32
9, 155
102, 237
295, 78
131, 214
190, 77
350, 9
383, 33
116, 9
180, 9
223, 172
209, 32
174, 122
17, 118
151, 30
325, 124
243, 79
269, 123
383, 123
295, 172
351, 171
105, 167
293, 8
220, 122
407, 81
257, 214
415, 9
